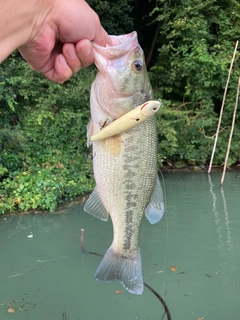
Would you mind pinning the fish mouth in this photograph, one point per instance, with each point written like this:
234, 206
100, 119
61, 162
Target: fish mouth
120, 45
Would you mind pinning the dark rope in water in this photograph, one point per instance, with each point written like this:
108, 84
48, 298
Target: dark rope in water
83, 248
166, 310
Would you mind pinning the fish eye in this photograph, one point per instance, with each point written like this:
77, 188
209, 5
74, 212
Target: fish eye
137, 65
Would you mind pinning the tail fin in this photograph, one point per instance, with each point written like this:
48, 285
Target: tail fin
125, 268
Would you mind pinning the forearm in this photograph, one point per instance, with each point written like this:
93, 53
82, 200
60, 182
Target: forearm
18, 19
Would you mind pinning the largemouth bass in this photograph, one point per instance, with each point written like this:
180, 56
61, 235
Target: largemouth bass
125, 165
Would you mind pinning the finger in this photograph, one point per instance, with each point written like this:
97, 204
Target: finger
71, 57
61, 71
85, 52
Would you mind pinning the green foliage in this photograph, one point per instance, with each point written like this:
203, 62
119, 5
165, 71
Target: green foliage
43, 187
43, 153
115, 15
195, 47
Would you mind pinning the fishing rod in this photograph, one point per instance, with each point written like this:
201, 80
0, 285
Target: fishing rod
166, 310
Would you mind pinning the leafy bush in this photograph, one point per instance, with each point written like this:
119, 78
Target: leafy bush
195, 46
115, 15
42, 187
43, 153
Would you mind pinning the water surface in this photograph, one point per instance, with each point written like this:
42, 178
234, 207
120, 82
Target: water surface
191, 258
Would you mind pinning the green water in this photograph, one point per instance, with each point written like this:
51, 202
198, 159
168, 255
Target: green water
44, 275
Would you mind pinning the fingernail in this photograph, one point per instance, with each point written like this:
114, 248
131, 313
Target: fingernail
62, 61
71, 52
85, 51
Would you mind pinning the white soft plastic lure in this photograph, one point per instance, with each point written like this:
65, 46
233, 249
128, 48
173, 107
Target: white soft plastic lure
128, 120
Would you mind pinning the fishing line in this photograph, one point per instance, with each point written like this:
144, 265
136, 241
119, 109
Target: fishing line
166, 234
166, 310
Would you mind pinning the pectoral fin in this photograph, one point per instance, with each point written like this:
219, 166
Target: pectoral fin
95, 206
155, 208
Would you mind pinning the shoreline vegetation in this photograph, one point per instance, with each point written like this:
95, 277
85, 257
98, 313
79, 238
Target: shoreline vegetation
43, 152
63, 204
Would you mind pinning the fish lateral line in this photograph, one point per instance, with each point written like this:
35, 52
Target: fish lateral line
128, 121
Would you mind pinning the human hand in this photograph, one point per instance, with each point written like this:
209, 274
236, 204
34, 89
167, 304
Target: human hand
60, 42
